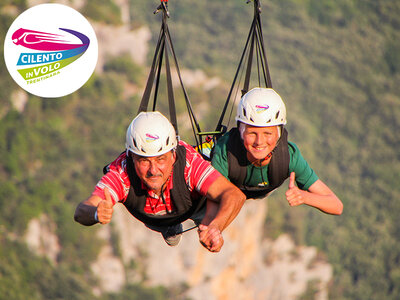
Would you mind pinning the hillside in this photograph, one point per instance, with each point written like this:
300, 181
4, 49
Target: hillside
336, 65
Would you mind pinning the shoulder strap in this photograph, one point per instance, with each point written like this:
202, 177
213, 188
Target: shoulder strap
237, 158
278, 168
184, 205
106, 168
180, 194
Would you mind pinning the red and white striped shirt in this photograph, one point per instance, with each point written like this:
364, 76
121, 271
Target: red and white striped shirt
199, 175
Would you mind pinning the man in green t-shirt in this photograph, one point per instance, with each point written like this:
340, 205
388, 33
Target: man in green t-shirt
257, 157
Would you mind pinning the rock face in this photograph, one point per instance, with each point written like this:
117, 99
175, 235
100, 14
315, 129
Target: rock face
196, 78
19, 98
41, 238
246, 268
117, 40
114, 279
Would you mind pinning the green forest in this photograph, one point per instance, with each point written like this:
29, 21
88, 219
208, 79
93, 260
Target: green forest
336, 65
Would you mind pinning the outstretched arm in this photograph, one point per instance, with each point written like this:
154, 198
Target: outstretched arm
319, 195
229, 200
95, 210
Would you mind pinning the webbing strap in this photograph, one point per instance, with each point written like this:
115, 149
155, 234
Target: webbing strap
165, 48
150, 80
193, 120
260, 42
171, 103
254, 39
159, 65
221, 119
257, 40
249, 64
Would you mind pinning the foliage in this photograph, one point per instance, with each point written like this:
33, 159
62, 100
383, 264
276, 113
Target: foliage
20, 4
138, 292
106, 11
392, 55
24, 276
7, 85
328, 12
200, 29
311, 291
123, 64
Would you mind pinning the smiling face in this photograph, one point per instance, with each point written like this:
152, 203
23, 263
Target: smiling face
259, 141
154, 171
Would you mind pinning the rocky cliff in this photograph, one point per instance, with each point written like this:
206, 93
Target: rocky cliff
248, 266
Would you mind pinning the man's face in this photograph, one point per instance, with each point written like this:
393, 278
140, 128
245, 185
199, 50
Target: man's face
259, 141
154, 171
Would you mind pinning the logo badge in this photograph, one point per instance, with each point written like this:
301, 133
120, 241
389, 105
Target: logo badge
261, 108
50, 50
151, 138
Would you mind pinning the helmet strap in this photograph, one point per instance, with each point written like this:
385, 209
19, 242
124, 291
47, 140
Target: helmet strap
242, 128
269, 155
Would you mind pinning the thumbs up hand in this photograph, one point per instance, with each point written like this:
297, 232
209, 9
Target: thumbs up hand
294, 195
105, 208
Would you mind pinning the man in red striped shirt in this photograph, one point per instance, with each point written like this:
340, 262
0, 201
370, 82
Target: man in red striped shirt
163, 182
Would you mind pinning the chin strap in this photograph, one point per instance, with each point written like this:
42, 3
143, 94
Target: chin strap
265, 158
268, 156
242, 128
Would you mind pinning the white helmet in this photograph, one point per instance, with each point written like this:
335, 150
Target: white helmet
261, 107
150, 134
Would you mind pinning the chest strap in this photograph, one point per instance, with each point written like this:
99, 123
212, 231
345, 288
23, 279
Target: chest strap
278, 168
184, 205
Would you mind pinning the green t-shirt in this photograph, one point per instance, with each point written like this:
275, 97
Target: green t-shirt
258, 176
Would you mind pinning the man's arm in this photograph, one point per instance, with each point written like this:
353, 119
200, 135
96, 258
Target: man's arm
319, 195
95, 210
229, 200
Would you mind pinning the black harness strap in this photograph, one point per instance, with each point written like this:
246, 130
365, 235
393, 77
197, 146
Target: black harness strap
181, 198
237, 159
260, 43
195, 125
171, 102
278, 171
255, 40
249, 63
165, 48
278, 168
150, 80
